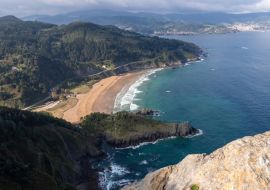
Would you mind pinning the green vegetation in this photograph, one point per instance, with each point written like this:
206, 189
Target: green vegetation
37, 59
125, 129
83, 88
40, 152
122, 125
194, 187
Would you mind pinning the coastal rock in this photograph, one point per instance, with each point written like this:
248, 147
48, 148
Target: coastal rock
243, 164
148, 112
178, 130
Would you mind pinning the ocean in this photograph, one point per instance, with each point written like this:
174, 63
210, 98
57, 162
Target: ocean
227, 96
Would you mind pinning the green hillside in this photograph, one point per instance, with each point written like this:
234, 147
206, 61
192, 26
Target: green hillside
36, 57
40, 152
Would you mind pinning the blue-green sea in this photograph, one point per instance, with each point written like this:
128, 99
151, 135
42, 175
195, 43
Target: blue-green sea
227, 96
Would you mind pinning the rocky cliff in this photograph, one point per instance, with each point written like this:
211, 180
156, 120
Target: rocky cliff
243, 164
135, 138
40, 152
125, 129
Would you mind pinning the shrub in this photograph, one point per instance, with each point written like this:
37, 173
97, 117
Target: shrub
194, 187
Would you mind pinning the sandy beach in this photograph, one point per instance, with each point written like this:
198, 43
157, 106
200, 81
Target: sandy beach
101, 97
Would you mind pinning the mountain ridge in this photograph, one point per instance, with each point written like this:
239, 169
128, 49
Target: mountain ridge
10, 18
200, 17
37, 59
167, 23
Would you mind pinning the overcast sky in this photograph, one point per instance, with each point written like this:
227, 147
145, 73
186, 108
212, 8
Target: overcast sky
30, 7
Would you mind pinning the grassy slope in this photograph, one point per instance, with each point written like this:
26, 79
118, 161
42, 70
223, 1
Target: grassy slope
35, 57
124, 128
122, 125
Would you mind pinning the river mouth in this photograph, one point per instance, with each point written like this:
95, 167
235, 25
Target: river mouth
227, 95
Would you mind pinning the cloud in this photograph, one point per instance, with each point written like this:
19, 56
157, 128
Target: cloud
27, 7
263, 5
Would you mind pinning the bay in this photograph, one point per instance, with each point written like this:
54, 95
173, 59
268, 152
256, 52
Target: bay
227, 96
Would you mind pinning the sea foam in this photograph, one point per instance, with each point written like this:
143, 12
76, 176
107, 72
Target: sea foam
200, 132
125, 98
106, 178
146, 143
197, 134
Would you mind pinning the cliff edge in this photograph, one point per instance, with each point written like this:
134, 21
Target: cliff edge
243, 164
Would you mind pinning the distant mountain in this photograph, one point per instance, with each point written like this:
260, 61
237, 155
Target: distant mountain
36, 58
152, 23
9, 19
109, 16
217, 17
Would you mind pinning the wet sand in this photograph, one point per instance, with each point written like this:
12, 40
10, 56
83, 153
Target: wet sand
101, 97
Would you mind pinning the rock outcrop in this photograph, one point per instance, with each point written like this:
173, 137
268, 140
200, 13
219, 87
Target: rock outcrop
148, 112
243, 164
179, 130
124, 129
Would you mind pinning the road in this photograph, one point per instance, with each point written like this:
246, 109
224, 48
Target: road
93, 75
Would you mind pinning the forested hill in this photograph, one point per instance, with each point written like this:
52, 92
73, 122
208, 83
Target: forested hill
40, 152
35, 57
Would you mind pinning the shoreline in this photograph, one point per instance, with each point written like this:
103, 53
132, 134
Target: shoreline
109, 95
101, 97
199, 133
125, 97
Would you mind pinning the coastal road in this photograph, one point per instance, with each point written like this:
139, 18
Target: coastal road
89, 76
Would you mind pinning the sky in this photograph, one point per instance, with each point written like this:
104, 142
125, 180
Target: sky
50, 7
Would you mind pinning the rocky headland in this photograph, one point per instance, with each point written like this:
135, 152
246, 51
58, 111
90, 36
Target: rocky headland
169, 130
243, 164
172, 130
125, 129
41, 152
148, 112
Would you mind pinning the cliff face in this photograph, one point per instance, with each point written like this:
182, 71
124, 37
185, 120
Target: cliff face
39, 152
243, 164
125, 129
178, 130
